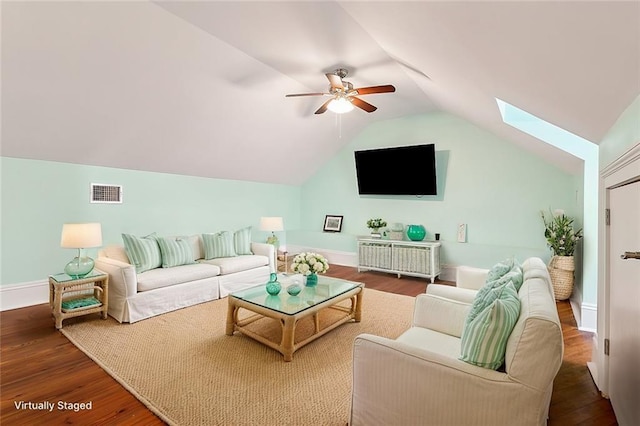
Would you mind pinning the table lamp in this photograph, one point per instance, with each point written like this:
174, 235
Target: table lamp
272, 224
80, 236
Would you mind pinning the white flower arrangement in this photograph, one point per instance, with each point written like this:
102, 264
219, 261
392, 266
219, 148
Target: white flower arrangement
308, 263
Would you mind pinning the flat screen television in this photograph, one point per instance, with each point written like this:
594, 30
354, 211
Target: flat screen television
404, 170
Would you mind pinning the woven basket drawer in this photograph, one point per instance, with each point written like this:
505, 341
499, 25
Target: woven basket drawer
412, 259
375, 255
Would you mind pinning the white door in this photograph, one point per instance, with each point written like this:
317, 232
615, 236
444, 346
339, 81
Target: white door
624, 309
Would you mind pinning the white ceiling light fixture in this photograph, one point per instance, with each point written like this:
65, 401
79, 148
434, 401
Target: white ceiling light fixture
340, 105
344, 96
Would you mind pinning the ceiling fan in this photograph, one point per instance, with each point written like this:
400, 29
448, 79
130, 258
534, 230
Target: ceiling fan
344, 96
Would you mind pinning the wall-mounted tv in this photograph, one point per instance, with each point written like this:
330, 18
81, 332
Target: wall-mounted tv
404, 170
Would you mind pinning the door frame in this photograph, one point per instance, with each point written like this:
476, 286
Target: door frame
623, 170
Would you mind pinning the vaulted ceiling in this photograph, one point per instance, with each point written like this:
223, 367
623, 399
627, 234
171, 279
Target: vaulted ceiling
198, 88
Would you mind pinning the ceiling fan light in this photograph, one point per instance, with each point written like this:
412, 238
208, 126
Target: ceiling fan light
340, 105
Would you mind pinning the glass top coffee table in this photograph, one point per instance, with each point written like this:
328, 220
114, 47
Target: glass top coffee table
289, 310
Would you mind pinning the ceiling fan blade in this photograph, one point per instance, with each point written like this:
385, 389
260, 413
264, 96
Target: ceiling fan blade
304, 94
335, 80
323, 108
362, 104
375, 89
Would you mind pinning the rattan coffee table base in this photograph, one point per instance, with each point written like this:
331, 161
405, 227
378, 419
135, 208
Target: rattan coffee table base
287, 346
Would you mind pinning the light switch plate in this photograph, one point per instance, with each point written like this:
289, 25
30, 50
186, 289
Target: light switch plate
462, 233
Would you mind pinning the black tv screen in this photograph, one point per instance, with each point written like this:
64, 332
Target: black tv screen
405, 170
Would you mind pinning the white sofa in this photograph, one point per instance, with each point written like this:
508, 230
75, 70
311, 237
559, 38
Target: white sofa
418, 378
134, 297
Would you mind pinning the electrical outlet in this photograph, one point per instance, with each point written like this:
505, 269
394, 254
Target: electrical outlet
462, 233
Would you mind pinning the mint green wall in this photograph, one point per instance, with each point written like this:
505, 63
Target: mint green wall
494, 187
39, 196
623, 135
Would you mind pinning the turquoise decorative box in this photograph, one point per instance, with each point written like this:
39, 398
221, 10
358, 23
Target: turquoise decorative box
87, 302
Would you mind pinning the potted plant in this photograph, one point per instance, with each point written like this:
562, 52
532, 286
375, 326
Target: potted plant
562, 240
375, 225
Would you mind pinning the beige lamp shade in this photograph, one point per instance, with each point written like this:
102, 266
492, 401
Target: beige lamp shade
271, 224
81, 235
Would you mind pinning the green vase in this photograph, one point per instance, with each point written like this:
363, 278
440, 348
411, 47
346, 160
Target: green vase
416, 232
273, 286
312, 280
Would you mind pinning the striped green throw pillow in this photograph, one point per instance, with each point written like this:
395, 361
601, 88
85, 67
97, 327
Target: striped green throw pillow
242, 241
218, 245
500, 274
175, 252
143, 252
484, 339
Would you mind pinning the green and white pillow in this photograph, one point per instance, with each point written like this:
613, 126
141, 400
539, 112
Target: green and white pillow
175, 252
500, 274
143, 252
484, 339
484, 297
500, 269
218, 245
242, 241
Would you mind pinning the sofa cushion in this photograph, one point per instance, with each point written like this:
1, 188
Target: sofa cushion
195, 241
143, 252
484, 339
161, 277
196, 246
432, 341
175, 252
229, 265
218, 245
242, 241
471, 278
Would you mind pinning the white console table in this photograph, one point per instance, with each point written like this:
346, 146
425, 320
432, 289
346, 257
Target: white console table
414, 258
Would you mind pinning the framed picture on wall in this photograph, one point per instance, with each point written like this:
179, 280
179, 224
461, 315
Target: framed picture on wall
332, 223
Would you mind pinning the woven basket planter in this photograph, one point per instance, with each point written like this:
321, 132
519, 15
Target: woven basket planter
561, 272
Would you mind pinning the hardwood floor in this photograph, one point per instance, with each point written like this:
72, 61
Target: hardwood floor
39, 364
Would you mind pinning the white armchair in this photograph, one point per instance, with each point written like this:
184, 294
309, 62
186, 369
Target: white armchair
470, 277
418, 379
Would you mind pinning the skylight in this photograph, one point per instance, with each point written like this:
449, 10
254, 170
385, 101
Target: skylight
547, 132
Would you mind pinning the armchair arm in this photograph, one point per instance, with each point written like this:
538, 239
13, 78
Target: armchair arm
440, 314
463, 295
264, 249
394, 383
123, 283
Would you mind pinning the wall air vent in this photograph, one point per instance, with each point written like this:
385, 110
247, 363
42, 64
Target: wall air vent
106, 194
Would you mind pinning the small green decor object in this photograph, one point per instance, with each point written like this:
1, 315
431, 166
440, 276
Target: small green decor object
416, 232
273, 286
558, 230
312, 280
294, 289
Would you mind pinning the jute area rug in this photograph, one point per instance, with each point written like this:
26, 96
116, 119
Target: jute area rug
186, 370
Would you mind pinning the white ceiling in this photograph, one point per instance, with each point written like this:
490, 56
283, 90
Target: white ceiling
198, 88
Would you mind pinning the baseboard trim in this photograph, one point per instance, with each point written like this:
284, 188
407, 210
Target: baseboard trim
586, 315
21, 295
343, 258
